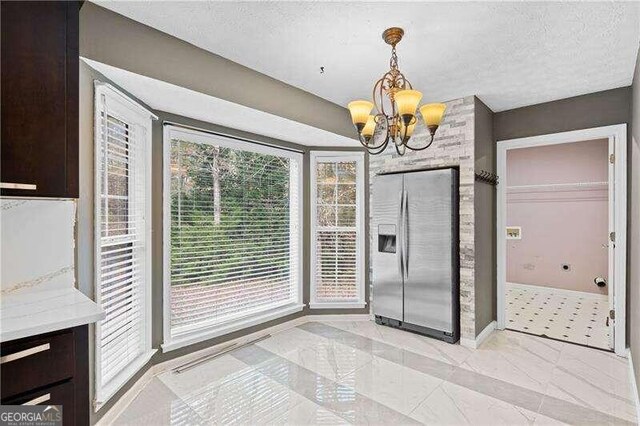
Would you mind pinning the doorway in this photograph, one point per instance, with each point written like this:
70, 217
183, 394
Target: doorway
561, 236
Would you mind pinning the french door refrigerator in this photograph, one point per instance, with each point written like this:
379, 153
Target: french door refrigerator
415, 261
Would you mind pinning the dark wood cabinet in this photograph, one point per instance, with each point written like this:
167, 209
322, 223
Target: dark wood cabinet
60, 394
48, 369
39, 114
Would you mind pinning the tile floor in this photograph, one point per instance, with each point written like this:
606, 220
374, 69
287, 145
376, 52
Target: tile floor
357, 372
565, 316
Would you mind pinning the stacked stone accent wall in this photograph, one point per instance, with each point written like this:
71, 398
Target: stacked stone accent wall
453, 146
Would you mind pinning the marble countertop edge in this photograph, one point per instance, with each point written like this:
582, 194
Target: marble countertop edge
22, 313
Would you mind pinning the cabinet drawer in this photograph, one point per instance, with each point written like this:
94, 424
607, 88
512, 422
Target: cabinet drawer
60, 394
35, 362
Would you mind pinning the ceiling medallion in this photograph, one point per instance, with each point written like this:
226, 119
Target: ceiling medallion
396, 103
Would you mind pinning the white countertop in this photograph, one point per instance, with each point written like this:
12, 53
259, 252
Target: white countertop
31, 312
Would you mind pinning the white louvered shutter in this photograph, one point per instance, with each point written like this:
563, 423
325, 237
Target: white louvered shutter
234, 236
337, 230
122, 278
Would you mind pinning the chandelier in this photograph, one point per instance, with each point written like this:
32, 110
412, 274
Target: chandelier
396, 103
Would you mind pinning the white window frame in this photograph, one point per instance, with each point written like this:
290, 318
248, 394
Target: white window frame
125, 109
339, 156
214, 330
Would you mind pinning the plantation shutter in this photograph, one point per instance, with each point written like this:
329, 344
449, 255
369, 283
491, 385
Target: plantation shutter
234, 230
121, 167
337, 192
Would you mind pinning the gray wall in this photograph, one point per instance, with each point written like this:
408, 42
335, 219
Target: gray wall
113, 39
485, 271
580, 112
85, 260
633, 316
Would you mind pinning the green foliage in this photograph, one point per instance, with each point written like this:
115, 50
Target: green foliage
229, 214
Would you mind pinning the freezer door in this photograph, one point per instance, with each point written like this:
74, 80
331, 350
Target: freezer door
386, 254
430, 279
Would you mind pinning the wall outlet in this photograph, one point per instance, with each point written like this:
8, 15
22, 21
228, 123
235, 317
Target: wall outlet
514, 233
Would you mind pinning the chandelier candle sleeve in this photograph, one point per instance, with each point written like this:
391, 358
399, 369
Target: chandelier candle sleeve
369, 127
360, 111
432, 115
407, 131
407, 102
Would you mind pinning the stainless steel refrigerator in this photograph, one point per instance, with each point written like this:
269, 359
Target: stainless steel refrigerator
415, 264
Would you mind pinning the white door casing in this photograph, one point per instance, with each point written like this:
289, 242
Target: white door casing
611, 241
617, 135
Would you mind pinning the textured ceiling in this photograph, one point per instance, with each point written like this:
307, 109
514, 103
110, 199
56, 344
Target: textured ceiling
162, 96
508, 54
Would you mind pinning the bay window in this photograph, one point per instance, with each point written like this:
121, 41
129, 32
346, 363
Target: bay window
232, 237
122, 239
337, 221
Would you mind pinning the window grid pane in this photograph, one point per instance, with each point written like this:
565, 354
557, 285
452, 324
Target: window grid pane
233, 226
336, 233
121, 263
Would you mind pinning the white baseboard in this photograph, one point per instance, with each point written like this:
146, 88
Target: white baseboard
123, 402
573, 293
480, 338
632, 380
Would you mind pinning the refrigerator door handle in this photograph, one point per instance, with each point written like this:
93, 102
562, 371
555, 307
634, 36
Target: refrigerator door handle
405, 234
400, 234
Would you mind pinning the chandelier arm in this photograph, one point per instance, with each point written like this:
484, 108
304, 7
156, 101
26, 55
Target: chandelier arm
404, 136
402, 151
374, 150
369, 146
422, 148
375, 87
384, 147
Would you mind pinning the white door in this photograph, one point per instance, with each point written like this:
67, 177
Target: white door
610, 319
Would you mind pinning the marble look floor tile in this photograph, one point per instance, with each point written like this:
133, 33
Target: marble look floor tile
450, 404
433, 348
563, 412
201, 376
343, 401
594, 379
393, 385
393, 353
330, 359
324, 374
158, 405
508, 356
244, 397
308, 413
290, 340
541, 420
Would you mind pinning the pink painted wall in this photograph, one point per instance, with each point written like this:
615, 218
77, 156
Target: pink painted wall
563, 225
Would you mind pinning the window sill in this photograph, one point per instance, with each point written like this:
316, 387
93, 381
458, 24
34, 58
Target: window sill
196, 336
337, 305
103, 395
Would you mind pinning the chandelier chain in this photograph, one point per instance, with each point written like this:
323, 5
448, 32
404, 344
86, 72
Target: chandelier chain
393, 62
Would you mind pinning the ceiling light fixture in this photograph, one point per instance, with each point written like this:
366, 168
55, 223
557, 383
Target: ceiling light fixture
394, 92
